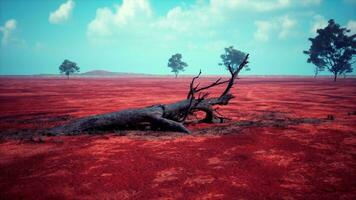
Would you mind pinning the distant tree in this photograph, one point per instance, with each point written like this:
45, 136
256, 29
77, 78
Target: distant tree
332, 49
233, 58
176, 63
68, 67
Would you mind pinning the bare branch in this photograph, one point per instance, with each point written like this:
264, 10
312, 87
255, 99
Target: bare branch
217, 82
192, 89
234, 75
190, 107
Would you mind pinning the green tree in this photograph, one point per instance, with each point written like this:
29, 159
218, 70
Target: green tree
233, 58
333, 48
68, 67
176, 64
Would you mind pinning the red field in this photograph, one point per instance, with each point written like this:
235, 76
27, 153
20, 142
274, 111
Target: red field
225, 161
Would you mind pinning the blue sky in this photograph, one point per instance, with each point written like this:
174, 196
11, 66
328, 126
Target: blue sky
140, 35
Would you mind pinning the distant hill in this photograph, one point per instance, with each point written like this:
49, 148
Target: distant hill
99, 73
107, 73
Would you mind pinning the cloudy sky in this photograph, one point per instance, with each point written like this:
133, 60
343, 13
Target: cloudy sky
140, 35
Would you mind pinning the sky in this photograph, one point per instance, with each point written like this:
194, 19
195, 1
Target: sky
139, 36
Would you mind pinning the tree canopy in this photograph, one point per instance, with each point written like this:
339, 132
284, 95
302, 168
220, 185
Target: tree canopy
68, 67
333, 48
176, 63
233, 58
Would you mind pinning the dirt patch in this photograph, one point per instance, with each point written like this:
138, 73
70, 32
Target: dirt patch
277, 144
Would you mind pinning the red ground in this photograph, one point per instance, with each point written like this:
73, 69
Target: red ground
306, 161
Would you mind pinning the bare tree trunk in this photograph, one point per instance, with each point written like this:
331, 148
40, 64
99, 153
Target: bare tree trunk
169, 117
316, 72
157, 117
335, 76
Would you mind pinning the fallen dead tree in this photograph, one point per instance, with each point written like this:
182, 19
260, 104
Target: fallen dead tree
170, 117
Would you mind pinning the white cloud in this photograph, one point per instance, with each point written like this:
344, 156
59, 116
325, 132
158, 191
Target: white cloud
187, 20
319, 23
259, 5
352, 26
256, 5
102, 22
63, 13
287, 24
204, 16
178, 19
134, 19
180, 23
129, 13
282, 26
263, 30
7, 31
